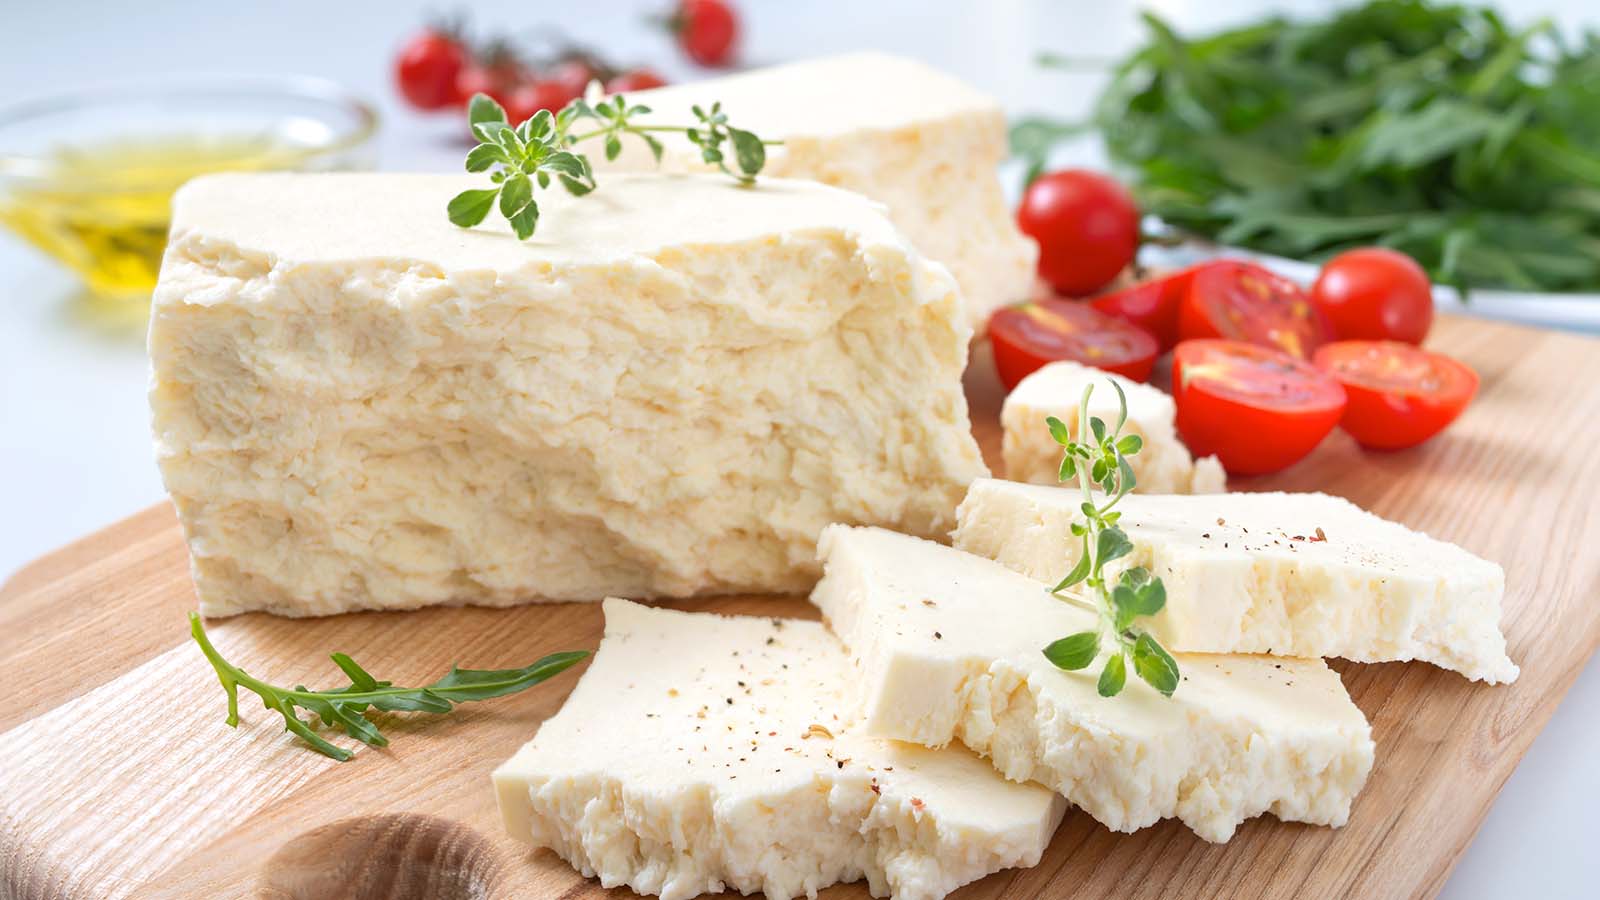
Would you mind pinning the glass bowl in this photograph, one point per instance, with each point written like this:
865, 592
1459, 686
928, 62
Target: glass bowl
88, 176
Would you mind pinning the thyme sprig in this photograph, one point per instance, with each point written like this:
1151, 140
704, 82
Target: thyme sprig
527, 156
1098, 458
346, 706
749, 151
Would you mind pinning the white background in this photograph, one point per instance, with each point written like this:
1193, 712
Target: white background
74, 450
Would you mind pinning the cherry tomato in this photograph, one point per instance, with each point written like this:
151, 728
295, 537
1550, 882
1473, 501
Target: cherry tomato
707, 31
1087, 228
1242, 301
1031, 334
497, 80
427, 68
1375, 293
527, 99
1258, 409
574, 76
635, 80
1400, 395
1152, 305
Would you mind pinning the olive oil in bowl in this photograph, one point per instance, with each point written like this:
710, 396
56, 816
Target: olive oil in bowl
104, 212
88, 178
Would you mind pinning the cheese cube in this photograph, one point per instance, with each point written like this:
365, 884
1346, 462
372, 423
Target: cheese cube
921, 142
670, 389
1162, 466
702, 752
948, 646
1290, 574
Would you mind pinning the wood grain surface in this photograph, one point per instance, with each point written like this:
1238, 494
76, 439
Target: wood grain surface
119, 778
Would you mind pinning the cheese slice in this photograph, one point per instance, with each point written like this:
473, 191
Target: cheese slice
1162, 466
947, 646
919, 141
1290, 574
702, 752
669, 390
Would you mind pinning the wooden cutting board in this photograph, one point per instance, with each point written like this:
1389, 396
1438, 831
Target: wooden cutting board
118, 776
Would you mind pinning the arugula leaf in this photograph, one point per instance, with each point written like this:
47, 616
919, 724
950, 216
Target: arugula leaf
347, 705
1429, 127
1033, 138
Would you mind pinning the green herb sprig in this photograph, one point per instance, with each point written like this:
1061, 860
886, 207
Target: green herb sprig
526, 157
749, 151
346, 706
1099, 459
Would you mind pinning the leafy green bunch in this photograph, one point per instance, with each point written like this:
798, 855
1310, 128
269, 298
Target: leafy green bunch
346, 706
1437, 129
528, 155
1098, 458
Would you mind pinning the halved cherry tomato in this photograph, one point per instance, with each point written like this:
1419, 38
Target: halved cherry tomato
1258, 409
1400, 395
1377, 294
1152, 305
1242, 301
1031, 334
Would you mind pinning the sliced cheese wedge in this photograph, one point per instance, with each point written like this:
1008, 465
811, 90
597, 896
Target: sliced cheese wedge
921, 142
1289, 574
702, 752
947, 646
1162, 466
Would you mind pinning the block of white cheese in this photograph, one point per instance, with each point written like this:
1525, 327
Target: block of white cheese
702, 752
913, 138
1289, 574
670, 389
1162, 466
948, 646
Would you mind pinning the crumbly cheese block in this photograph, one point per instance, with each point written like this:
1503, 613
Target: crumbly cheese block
702, 752
1290, 574
947, 646
1162, 466
921, 142
670, 389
